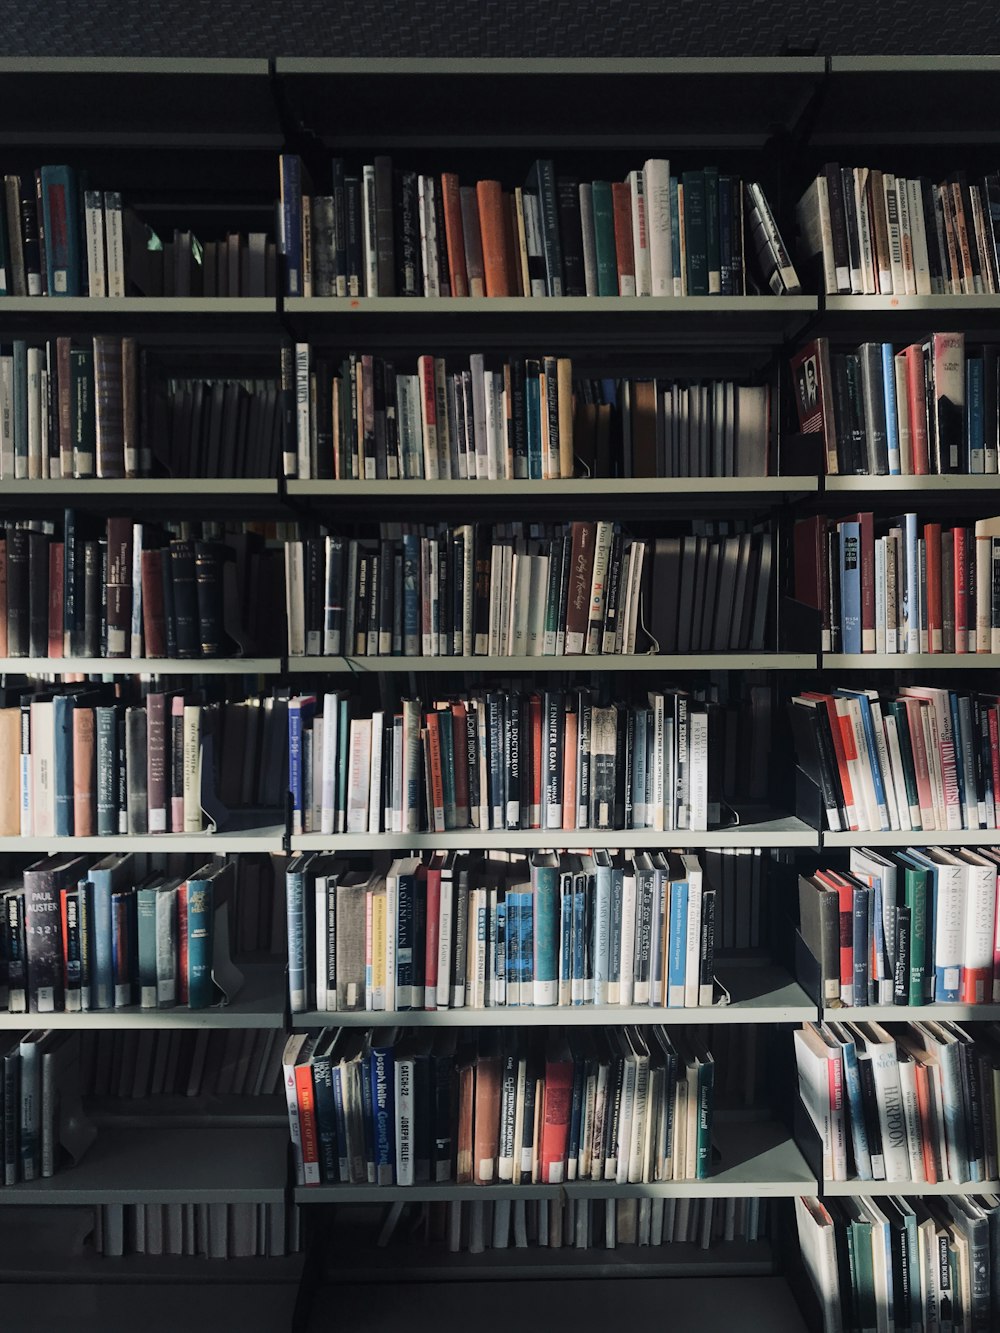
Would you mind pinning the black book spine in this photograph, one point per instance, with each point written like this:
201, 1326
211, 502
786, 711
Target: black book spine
121, 770
409, 274
386, 597
186, 622
620, 743
107, 775
43, 936
339, 229
374, 590
92, 581
583, 717
456, 585
612, 595
472, 758
352, 196
176, 766
360, 645
208, 583
136, 796
626, 767
70, 552
14, 941
443, 640
974, 1132
901, 971
103, 550
512, 746
397, 602
707, 960
31, 239
838, 220
518, 416
870, 1104
384, 246
315, 594
38, 594
481, 611
571, 233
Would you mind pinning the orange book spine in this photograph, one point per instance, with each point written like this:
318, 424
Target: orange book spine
535, 737
454, 234
307, 1122
56, 555
494, 235
569, 772
927, 1135
466, 1101
486, 1129
84, 780
916, 396
435, 775
935, 623
621, 201
555, 1121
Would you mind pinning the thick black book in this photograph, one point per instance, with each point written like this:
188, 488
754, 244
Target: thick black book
571, 234
136, 741
38, 594
18, 546
186, 620
43, 931
354, 257
384, 240
208, 561
409, 271
169, 617
73, 558
314, 560
664, 590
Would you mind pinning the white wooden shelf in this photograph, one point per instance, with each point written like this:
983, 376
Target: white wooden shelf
908, 1188
176, 1165
257, 838
912, 1013
758, 995
962, 483
556, 488
920, 838
260, 1004
910, 661
137, 305
784, 831
937, 304
77, 490
575, 662
148, 666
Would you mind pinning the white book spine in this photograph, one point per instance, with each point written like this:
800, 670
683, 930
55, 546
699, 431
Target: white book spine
115, 243
302, 414
328, 783
375, 775
94, 226
911, 1119
446, 919
7, 466
978, 933
368, 233
892, 1121
320, 943
656, 182
692, 952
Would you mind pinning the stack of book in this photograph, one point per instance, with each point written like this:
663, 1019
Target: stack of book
580, 1224
925, 759
455, 931
91, 764
79, 936
119, 589
220, 427
903, 588
60, 238
902, 1262
500, 760
389, 232
42, 1124
929, 408
908, 927
914, 1102
133, 1064
197, 1230
527, 590
524, 419
388, 1107
872, 232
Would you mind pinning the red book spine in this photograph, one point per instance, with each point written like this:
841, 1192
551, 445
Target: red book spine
867, 522
841, 749
935, 623
307, 1122
494, 234
460, 749
535, 737
928, 1134
555, 1121
920, 765
454, 235
435, 775
917, 398
56, 557
153, 624
432, 936
621, 202
84, 773
182, 943
960, 570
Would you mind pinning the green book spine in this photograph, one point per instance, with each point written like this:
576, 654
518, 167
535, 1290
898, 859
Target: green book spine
146, 913
712, 246
696, 232
916, 901
864, 1274
706, 1087
898, 711
604, 240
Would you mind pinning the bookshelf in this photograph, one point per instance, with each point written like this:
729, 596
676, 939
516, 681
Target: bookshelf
239, 115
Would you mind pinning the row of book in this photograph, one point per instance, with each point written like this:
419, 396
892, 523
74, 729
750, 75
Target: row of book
138, 1064
581, 1224
918, 760
905, 1102
117, 588
527, 590
896, 586
876, 233
525, 419
454, 931
896, 1262
79, 935
84, 763
42, 1124
907, 928
197, 1230
390, 232
929, 408
386, 1107
502, 760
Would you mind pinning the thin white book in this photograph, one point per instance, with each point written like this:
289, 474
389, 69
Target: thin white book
656, 183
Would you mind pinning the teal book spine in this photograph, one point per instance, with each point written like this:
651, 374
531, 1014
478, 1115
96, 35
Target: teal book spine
604, 239
99, 894
61, 219
713, 247
62, 723
200, 921
706, 1100
545, 886
146, 915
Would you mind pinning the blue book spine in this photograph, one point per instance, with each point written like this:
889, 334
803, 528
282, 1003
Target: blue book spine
295, 913
579, 977
107, 767
850, 586
526, 952
295, 728
20, 407
499, 954
868, 724
326, 1118
975, 413
512, 944
291, 222
859, 1134
200, 915
891, 421
404, 942
411, 594
343, 1166
61, 219
860, 942
102, 967
146, 918
62, 721
546, 912
678, 942
533, 415
383, 1080
575, 1120
567, 926
602, 933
